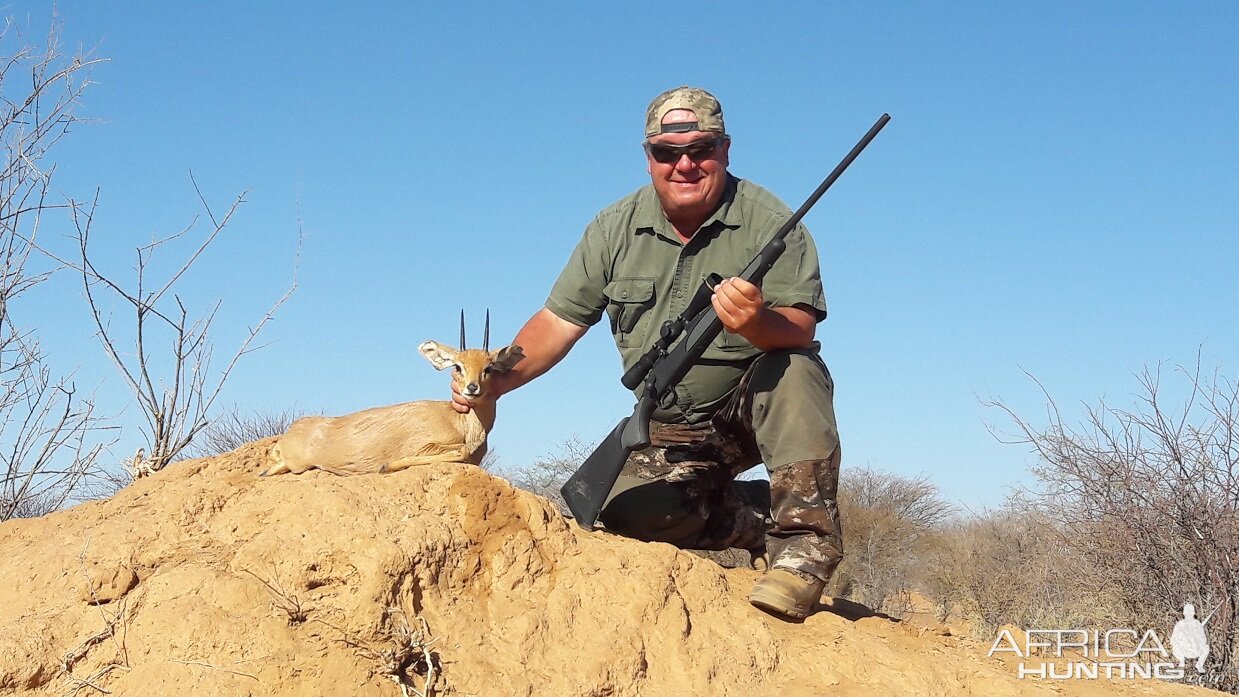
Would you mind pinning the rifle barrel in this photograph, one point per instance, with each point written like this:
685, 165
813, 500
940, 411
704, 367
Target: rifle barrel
834, 174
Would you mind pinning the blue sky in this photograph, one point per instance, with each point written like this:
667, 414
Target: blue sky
1054, 194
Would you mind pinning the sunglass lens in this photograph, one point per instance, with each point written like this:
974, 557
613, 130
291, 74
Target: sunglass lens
665, 154
670, 154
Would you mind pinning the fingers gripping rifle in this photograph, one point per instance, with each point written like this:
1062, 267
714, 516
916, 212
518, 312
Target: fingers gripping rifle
663, 366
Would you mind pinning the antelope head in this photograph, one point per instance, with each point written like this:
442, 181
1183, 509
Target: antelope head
473, 368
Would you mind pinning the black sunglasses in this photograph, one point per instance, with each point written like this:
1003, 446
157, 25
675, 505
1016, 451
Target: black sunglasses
670, 154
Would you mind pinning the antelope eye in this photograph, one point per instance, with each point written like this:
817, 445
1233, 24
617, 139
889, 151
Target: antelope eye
456, 368
486, 370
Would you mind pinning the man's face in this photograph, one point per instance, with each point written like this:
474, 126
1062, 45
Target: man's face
693, 184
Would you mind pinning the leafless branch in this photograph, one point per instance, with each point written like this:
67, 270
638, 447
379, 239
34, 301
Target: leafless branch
113, 624
176, 401
47, 430
212, 666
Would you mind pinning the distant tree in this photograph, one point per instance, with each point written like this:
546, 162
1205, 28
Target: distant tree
549, 472
1012, 567
888, 520
1150, 496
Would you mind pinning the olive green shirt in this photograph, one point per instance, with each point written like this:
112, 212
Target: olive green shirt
631, 263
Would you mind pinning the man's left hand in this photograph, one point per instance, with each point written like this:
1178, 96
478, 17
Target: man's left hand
742, 308
739, 304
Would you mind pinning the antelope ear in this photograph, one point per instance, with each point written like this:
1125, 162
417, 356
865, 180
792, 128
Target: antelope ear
507, 358
439, 356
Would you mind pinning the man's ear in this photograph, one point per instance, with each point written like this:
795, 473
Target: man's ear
507, 358
439, 356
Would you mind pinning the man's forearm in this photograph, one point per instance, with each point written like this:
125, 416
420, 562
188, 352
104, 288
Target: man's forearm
545, 339
781, 328
742, 309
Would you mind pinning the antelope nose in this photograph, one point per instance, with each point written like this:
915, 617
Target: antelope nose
471, 388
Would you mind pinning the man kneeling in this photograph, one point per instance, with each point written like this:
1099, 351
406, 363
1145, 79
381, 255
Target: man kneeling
760, 393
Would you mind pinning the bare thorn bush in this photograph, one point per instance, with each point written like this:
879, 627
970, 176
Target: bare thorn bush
47, 430
233, 429
1149, 496
490, 461
115, 629
1013, 567
888, 523
404, 656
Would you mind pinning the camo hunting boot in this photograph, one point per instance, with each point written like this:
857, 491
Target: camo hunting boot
788, 593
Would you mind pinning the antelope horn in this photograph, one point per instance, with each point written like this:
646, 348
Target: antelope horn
486, 333
462, 330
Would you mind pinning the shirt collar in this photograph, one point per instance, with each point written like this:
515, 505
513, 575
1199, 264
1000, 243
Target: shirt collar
649, 215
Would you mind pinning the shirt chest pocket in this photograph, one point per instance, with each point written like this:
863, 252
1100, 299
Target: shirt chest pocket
630, 302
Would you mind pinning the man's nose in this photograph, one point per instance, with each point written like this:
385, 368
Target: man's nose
685, 163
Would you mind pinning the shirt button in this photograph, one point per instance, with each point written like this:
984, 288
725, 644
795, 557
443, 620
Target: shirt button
624, 295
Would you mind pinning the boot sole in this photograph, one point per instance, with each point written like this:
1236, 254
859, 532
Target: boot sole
776, 603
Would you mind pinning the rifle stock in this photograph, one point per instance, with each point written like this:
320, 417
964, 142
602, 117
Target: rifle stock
662, 367
587, 489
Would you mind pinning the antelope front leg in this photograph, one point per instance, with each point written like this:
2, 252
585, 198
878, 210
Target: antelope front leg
278, 465
450, 455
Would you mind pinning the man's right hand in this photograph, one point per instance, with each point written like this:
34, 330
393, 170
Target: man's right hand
459, 403
545, 340
498, 385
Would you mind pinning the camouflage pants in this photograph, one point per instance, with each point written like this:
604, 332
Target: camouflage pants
682, 489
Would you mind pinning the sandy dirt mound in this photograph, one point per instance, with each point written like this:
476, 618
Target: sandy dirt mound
207, 580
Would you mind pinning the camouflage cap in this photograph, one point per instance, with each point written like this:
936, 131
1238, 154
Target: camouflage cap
709, 112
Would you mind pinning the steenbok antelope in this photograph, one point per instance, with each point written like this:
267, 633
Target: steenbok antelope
386, 439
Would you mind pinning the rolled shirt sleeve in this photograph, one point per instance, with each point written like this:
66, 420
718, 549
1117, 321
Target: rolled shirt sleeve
796, 277
577, 295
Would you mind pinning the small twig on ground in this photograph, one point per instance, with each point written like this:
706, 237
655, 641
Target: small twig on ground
71, 657
411, 651
285, 601
81, 683
210, 665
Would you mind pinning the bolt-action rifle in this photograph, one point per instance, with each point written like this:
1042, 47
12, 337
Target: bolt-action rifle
662, 367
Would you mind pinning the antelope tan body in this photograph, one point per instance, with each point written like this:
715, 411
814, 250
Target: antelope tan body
386, 439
